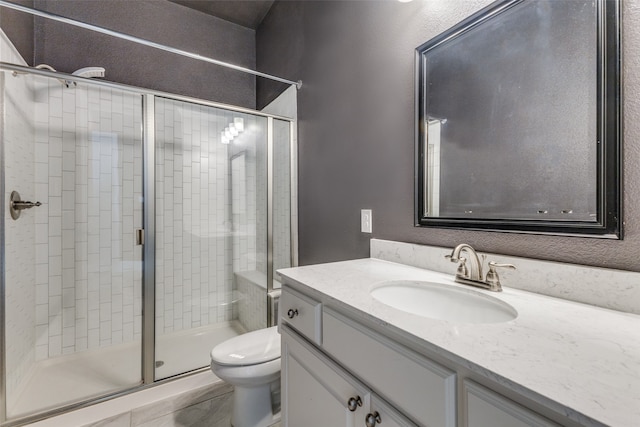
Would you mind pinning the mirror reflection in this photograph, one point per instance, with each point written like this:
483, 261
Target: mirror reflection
514, 131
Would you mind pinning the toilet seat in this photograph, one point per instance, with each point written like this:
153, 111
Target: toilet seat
252, 348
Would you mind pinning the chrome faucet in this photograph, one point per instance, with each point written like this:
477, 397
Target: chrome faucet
473, 276
476, 266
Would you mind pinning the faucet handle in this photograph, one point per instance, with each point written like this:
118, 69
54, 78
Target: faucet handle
462, 268
493, 280
493, 265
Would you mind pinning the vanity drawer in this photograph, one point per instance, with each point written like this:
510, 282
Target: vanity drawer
421, 389
302, 313
487, 408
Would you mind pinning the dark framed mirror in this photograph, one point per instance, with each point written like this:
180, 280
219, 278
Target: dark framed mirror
518, 112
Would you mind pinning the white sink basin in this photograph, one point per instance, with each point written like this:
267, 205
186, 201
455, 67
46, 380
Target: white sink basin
443, 302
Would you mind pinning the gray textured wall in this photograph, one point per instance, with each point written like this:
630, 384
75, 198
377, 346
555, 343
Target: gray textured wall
19, 28
68, 48
356, 128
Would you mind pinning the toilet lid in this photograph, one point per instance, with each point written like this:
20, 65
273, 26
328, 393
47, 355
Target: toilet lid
251, 348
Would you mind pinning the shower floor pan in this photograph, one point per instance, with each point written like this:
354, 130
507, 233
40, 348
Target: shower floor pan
80, 376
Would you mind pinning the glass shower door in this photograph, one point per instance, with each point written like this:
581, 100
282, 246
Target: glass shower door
73, 269
282, 209
210, 195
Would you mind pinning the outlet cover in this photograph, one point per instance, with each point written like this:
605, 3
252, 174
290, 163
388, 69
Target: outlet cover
366, 221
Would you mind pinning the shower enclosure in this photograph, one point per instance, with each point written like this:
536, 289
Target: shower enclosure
161, 223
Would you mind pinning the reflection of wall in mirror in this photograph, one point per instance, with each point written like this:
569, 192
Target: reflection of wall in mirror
522, 91
433, 168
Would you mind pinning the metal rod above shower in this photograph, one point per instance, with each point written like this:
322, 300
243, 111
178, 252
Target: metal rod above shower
63, 77
144, 42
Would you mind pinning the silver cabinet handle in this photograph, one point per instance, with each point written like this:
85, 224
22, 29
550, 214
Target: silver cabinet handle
372, 419
353, 403
292, 313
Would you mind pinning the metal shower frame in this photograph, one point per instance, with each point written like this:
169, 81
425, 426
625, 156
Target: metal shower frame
149, 212
145, 42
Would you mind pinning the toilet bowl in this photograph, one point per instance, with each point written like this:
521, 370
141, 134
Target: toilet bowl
251, 363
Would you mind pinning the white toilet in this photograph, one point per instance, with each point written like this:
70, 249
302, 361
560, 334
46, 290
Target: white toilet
251, 363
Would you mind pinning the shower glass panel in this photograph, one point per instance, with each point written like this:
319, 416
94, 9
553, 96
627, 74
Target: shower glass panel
73, 271
217, 224
210, 202
281, 197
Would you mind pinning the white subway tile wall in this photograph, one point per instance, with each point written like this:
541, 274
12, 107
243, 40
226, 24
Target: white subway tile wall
242, 208
260, 160
17, 103
251, 277
252, 300
73, 270
249, 188
281, 195
195, 232
89, 176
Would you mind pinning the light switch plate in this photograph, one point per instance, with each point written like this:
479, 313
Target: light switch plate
366, 221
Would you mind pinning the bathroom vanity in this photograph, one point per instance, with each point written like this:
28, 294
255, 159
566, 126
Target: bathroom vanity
349, 359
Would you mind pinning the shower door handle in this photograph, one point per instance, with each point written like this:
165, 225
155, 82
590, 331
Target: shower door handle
139, 236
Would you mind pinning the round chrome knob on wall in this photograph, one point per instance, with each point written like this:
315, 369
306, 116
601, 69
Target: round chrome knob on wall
353, 403
17, 205
292, 313
372, 419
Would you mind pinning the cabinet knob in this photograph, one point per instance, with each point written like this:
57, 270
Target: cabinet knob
292, 313
372, 419
353, 403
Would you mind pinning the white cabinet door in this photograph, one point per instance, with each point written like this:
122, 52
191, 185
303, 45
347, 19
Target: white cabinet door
486, 408
317, 393
423, 390
381, 414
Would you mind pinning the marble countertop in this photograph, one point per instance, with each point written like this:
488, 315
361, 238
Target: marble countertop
580, 360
